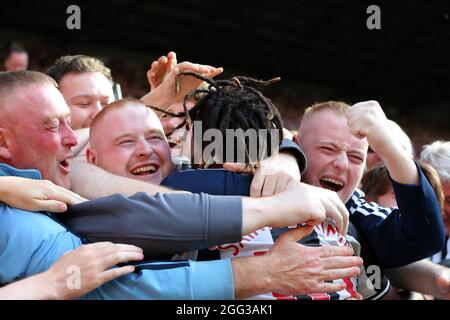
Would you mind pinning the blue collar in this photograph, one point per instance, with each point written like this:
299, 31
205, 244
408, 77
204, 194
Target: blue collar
7, 170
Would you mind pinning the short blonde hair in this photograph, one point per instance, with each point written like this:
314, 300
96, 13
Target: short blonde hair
337, 106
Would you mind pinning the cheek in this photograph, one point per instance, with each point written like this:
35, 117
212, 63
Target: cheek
164, 156
114, 160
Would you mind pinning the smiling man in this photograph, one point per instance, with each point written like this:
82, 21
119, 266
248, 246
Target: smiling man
130, 142
335, 138
86, 84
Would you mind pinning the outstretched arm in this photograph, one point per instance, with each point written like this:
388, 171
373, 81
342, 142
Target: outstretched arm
422, 276
94, 262
36, 195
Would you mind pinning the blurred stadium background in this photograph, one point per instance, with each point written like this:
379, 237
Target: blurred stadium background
321, 49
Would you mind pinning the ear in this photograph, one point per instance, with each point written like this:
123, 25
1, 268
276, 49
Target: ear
5, 143
91, 156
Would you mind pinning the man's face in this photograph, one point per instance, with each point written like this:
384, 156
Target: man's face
86, 94
336, 158
41, 137
130, 142
446, 187
178, 141
16, 61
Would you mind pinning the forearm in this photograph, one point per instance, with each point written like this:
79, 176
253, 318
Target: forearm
418, 276
249, 277
401, 166
255, 214
161, 225
92, 182
37, 287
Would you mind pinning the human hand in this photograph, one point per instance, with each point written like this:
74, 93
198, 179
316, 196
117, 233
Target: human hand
36, 195
173, 89
442, 283
274, 175
160, 68
94, 264
368, 120
294, 269
306, 204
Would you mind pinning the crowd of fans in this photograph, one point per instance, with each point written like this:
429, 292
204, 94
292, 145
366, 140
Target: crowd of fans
112, 198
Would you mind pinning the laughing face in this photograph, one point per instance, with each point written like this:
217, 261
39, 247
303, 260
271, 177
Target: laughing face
129, 141
41, 137
336, 158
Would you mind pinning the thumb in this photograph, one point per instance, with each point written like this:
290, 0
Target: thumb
298, 233
51, 205
235, 167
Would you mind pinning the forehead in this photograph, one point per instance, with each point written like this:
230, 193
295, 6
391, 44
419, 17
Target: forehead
87, 83
38, 102
19, 56
129, 118
328, 126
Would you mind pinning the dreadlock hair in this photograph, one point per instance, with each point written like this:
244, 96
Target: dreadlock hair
234, 104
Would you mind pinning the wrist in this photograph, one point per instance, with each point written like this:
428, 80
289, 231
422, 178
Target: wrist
251, 276
256, 214
47, 286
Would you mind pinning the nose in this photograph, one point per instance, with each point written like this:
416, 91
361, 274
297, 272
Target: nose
341, 162
95, 108
69, 138
143, 148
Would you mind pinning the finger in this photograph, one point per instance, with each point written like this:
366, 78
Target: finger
215, 72
162, 60
64, 195
235, 167
120, 257
257, 184
116, 273
282, 185
334, 214
127, 247
345, 218
297, 233
339, 262
336, 274
359, 128
291, 184
330, 251
105, 248
77, 198
329, 287
270, 184
50, 205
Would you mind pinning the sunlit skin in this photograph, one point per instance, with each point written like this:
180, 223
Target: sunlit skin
40, 137
86, 94
333, 152
131, 138
16, 61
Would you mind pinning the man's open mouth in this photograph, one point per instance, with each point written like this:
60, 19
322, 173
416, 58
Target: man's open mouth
331, 184
65, 166
144, 170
